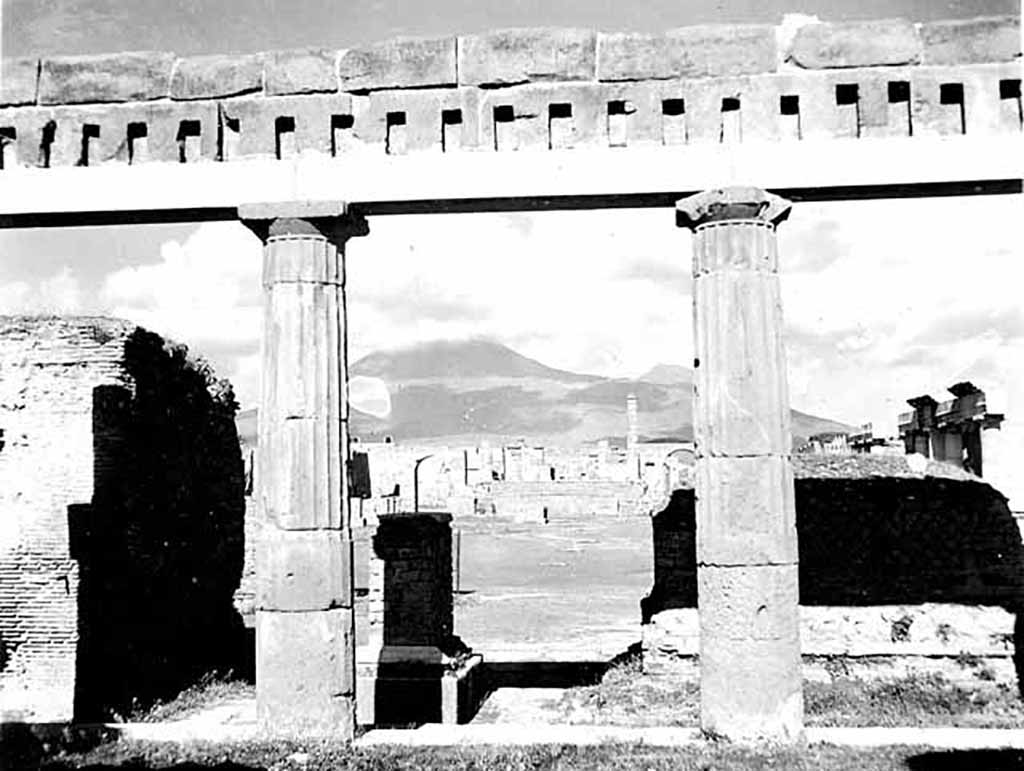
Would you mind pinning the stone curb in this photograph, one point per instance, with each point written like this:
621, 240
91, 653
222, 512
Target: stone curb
437, 735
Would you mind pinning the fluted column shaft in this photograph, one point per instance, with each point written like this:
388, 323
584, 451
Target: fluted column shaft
305, 638
748, 591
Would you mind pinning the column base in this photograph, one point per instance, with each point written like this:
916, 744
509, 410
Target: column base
425, 687
304, 673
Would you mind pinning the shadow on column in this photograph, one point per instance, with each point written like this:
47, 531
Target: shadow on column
874, 541
160, 546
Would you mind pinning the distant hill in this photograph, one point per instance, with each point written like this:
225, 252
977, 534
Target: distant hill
455, 392
450, 359
667, 374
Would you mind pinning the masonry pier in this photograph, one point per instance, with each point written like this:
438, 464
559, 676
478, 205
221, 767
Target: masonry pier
305, 642
748, 592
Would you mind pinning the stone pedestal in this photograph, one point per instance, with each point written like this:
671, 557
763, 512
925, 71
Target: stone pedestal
748, 591
305, 643
413, 668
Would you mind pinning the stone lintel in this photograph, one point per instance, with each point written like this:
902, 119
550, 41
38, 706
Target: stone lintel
120, 77
217, 75
731, 203
330, 219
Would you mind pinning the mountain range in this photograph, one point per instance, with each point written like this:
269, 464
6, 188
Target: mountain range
462, 392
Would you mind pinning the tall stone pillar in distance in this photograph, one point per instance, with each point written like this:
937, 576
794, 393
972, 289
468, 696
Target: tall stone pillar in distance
632, 436
748, 591
305, 641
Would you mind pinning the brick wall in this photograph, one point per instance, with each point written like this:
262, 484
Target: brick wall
120, 483
48, 371
410, 593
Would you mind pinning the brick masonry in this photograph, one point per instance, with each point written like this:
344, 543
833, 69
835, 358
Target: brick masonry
121, 543
518, 89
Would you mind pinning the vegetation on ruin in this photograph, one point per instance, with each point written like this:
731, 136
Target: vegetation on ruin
209, 691
626, 696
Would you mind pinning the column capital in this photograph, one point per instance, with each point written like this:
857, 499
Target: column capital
731, 203
326, 219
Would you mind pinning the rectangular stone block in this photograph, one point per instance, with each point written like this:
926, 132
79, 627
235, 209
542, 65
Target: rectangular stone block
690, 52
208, 77
305, 673
431, 120
742, 402
283, 126
509, 57
749, 602
751, 690
299, 570
168, 133
983, 107
19, 79
123, 77
856, 44
301, 71
531, 109
745, 511
399, 63
969, 41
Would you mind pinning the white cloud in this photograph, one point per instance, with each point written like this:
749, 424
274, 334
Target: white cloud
203, 292
58, 294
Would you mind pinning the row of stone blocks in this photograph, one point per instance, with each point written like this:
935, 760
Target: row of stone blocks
511, 57
895, 102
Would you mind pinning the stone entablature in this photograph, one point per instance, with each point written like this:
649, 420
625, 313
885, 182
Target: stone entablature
518, 89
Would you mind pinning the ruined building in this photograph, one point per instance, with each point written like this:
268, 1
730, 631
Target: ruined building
121, 492
952, 430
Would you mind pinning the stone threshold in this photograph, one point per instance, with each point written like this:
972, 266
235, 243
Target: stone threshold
437, 735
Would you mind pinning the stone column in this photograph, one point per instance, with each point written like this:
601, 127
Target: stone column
305, 642
748, 591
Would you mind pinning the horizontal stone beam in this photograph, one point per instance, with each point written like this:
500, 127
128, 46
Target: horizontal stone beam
511, 57
570, 179
913, 102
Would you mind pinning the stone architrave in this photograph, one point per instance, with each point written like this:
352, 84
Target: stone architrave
305, 642
748, 592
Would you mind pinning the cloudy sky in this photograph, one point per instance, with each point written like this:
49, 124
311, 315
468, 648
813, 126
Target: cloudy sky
883, 300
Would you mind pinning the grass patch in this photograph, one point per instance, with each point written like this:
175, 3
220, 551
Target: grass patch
210, 690
626, 696
287, 756
920, 700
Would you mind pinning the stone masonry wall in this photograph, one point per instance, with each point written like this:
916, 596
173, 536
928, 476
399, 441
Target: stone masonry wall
893, 565
518, 89
121, 486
